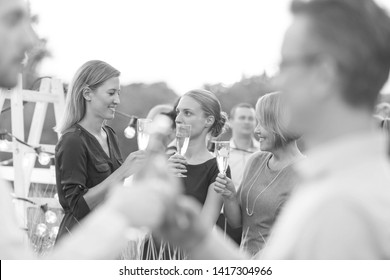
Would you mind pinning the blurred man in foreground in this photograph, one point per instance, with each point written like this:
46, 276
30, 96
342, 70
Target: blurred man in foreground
335, 60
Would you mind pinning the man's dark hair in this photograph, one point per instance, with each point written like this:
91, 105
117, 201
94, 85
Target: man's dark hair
241, 105
357, 35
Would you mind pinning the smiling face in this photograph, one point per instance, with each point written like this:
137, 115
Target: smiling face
272, 118
266, 138
16, 38
103, 101
190, 112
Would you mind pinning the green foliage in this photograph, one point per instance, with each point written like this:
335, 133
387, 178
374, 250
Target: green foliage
248, 90
138, 99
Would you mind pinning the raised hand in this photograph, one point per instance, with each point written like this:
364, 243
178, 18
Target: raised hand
182, 225
224, 186
134, 162
152, 192
177, 165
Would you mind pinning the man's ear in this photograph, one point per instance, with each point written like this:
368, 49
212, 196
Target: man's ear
327, 74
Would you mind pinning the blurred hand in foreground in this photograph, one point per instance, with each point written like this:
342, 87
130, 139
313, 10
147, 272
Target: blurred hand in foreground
146, 201
182, 225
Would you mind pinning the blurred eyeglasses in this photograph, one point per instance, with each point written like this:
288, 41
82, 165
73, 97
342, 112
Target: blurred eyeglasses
305, 60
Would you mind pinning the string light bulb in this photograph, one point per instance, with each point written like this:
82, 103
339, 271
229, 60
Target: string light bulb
53, 232
4, 144
50, 217
130, 130
41, 229
44, 158
3, 141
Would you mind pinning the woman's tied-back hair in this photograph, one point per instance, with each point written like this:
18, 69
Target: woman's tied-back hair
211, 107
272, 117
91, 76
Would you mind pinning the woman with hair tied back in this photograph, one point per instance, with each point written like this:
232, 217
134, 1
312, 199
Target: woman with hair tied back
88, 160
198, 168
268, 177
202, 110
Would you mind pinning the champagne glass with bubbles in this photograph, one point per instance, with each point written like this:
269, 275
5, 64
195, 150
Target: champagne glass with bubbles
183, 133
143, 133
222, 152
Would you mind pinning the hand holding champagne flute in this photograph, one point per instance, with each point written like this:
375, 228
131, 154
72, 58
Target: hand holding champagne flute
177, 162
223, 185
143, 133
222, 152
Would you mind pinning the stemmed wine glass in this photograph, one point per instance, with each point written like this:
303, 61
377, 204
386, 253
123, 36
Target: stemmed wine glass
222, 152
143, 126
183, 133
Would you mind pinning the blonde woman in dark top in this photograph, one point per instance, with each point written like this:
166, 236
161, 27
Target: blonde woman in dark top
198, 169
268, 178
202, 110
88, 160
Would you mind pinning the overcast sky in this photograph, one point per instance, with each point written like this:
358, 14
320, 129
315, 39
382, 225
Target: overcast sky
184, 42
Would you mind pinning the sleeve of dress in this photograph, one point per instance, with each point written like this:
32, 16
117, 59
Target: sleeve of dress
72, 167
281, 206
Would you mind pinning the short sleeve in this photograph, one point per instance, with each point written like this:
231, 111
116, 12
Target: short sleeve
281, 205
339, 230
71, 162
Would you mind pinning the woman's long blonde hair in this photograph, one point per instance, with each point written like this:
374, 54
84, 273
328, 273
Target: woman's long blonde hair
91, 75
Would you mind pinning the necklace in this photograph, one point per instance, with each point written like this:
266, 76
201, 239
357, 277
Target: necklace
250, 213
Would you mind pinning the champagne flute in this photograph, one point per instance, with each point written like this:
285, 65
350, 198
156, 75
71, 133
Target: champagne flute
183, 133
143, 133
222, 152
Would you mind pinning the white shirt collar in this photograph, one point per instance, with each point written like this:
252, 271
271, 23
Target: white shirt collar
343, 153
254, 148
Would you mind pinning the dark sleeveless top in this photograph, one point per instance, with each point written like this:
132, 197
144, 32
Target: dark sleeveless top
200, 177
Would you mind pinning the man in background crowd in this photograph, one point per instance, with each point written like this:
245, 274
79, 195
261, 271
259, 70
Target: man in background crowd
242, 144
